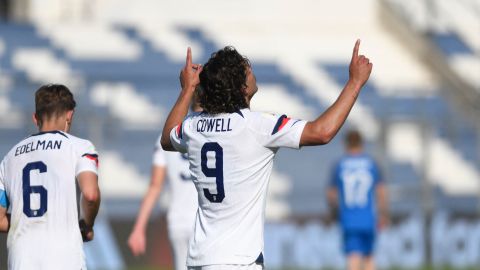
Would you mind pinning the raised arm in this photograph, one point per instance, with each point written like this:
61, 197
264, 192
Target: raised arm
325, 127
137, 240
90, 202
189, 79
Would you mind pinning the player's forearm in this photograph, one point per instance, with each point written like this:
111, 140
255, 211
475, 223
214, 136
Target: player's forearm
326, 126
176, 116
332, 199
382, 201
90, 206
146, 209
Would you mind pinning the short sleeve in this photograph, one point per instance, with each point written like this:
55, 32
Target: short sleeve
2, 175
274, 131
177, 139
3, 192
87, 159
158, 158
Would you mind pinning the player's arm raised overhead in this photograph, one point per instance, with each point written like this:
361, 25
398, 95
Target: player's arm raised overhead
189, 79
326, 126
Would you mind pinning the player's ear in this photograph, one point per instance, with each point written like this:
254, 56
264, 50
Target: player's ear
70, 116
34, 119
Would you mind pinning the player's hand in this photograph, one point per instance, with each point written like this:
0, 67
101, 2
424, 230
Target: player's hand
360, 67
189, 76
86, 231
383, 222
137, 243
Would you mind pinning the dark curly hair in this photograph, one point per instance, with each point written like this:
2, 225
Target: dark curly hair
223, 82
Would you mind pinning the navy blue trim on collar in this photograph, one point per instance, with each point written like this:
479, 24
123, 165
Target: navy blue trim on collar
240, 113
50, 132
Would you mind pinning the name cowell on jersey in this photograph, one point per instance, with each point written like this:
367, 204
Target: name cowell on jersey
213, 125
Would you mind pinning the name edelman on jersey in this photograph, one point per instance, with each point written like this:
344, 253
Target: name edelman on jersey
38, 145
213, 125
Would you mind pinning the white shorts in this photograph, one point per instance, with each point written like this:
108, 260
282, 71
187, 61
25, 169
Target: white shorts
253, 266
179, 243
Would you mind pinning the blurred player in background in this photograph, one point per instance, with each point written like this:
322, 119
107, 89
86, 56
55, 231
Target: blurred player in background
183, 203
231, 151
38, 182
358, 191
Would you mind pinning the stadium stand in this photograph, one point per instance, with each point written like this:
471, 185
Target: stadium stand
124, 70
453, 27
129, 73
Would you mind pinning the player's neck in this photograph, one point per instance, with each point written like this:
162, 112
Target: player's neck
249, 98
55, 124
355, 151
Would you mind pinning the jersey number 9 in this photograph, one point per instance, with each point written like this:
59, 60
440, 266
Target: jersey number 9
216, 172
28, 190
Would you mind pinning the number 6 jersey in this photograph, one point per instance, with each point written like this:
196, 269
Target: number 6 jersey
231, 158
37, 182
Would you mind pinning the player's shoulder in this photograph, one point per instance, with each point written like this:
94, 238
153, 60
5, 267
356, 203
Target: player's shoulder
82, 146
368, 158
259, 117
270, 123
358, 160
77, 140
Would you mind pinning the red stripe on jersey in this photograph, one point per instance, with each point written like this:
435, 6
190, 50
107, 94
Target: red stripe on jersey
179, 129
92, 157
284, 122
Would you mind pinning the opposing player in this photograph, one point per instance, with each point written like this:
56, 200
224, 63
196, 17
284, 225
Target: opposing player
231, 151
182, 209
357, 191
38, 180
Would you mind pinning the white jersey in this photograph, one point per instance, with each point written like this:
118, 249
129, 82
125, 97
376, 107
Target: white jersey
38, 178
183, 195
231, 159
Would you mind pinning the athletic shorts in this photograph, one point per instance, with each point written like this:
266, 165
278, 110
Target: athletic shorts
257, 265
253, 266
179, 244
358, 241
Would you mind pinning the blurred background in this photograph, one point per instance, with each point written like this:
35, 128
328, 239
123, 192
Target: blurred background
419, 112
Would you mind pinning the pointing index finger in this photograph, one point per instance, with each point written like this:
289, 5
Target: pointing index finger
355, 49
189, 57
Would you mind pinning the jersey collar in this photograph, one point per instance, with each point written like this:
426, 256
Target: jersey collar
50, 132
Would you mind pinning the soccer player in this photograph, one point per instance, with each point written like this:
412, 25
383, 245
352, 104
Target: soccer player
357, 189
38, 180
231, 151
183, 204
